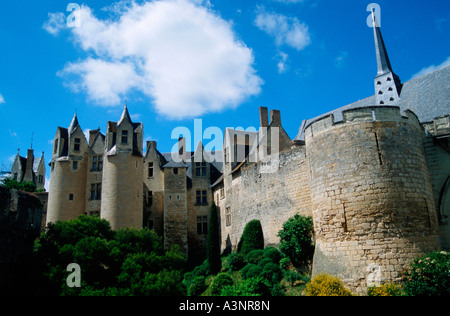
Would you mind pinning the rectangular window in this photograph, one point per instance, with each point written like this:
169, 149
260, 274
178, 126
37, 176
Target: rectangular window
200, 169
75, 165
228, 216
70, 197
96, 191
202, 225
76, 146
124, 137
97, 163
55, 146
150, 169
41, 179
201, 198
222, 193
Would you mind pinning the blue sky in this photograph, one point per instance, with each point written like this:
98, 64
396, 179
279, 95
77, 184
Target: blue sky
173, 61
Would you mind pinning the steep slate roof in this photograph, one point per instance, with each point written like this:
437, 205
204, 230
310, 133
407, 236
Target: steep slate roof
427, 96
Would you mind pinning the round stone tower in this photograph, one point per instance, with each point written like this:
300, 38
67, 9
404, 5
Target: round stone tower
372, 201
67, 191
122, 186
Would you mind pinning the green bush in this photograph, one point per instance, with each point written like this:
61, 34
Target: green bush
254, 256
255, 286
252, 238
263, 262
326, 285
219, 282
197, 286
123, 262
429, 276
235, 261
284, 263
296, 239
272, 273
272, 253
388, 289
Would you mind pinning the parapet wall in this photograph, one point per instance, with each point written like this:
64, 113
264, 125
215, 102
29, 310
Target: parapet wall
371, 196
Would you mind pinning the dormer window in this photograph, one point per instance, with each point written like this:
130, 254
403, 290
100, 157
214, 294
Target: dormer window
124, 137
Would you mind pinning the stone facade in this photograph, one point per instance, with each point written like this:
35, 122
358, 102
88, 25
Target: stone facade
374, 175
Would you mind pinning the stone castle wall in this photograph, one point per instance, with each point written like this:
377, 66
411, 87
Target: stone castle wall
271, 198
372, 201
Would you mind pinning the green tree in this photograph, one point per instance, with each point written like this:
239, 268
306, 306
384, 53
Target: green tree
296, 239
26, 186
252, 238
213, 243
124, 262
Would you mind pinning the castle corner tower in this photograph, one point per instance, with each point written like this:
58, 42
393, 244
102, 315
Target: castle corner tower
122, 186
67, 194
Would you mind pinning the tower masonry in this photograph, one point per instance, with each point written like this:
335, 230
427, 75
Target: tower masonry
372, 201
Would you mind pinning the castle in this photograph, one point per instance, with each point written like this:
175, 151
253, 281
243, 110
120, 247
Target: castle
374, 175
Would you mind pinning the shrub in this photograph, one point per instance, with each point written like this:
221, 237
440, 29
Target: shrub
254, 256
235, 261
296, 239
388, 289
272, 253
219, 282
196, 286
252, 238
429, 276
272, 273
213, 242
284, 263
326, 285
264, 261
250, 287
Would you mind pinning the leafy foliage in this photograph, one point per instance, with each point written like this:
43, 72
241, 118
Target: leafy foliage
252, 238
219, 282
429, 276
296, 239
126, 262
26, 186
388, 289
326, 285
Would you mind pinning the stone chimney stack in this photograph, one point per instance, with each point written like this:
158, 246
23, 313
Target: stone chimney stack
263, 117
182, 148
151, 144
275, 118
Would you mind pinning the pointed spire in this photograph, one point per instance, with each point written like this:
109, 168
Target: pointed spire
74, 124
125, 116
383, 62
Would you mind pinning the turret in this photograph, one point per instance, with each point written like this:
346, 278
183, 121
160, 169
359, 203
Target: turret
122, 188
67, 194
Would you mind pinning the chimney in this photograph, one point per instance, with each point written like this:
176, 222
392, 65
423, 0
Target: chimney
151, 144
92, 134
182, 148
275, 118
263, 117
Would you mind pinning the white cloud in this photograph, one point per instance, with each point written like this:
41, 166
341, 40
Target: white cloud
2, 99
181, 55
431, 68
282, 62
285, 30
55, 23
